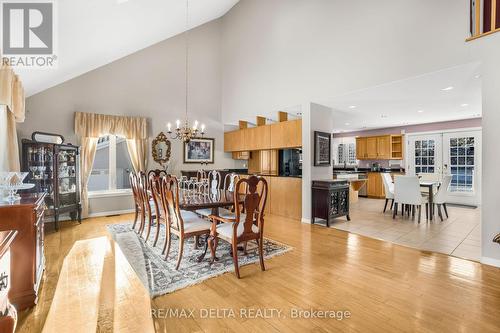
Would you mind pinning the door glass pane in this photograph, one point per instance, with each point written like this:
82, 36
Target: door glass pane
424, 156
462, 164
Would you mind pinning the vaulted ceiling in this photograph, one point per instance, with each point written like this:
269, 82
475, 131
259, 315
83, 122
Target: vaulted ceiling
93, 33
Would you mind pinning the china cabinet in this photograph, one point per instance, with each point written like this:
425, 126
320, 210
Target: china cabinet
53, 166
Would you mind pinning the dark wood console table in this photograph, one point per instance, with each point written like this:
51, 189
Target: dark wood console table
27, 253
329, 199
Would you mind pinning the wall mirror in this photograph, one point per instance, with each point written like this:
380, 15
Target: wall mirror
161, 148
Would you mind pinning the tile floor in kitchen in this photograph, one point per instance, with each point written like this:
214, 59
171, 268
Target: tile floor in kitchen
459, 235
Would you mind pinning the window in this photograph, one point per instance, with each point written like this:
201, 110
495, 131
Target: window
112, 165
462, 164
425, 156
346, 153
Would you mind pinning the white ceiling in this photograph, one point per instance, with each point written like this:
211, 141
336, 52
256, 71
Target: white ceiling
93, 33
398, 103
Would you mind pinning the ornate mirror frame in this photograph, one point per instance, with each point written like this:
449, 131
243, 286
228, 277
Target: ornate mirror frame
161, 138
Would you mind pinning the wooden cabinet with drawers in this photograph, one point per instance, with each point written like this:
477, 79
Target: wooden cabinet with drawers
27, 252
375, 187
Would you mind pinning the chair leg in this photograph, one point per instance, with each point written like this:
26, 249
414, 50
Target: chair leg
419, 213
143, 222
445, 210
135, 217
413, 212
196, 242
426, 211
235, 259
392, 203
439, 212
395, 211
385, 206
261, 254
166, 246
245, 247
181, 249
150, 221
157, 234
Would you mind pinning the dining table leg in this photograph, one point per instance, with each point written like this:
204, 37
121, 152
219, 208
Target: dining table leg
431, 202
202, 256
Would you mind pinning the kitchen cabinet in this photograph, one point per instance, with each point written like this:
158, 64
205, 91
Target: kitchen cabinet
257, 138
375, 187
382, 147
263, 162
361, 152
371, 147
286, 197
286, 134
241, 155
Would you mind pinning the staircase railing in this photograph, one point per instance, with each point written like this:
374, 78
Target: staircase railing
484, 18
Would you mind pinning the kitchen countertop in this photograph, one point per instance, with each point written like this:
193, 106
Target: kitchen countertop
364, 170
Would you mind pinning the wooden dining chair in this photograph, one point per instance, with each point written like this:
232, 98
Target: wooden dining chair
237, 230
214, 184
134, 185
155, 180
147, 216
183, 224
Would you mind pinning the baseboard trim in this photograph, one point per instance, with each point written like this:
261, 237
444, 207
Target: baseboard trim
305, 220
112, 212
490, 261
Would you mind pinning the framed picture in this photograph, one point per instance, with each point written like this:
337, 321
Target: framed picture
199, 150
322, 149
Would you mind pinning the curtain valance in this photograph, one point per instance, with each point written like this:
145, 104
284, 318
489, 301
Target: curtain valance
95, 125
12, 93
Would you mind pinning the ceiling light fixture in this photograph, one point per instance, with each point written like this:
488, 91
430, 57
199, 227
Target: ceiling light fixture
383, 116
477, 76
352, 106
347, 124
447, 88
420, 111
464, 105
186, 132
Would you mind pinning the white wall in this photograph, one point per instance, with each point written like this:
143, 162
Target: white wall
315, 118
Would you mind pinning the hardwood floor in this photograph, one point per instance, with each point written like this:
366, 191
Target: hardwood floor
385, 287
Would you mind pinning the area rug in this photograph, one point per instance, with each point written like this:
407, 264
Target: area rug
160, 277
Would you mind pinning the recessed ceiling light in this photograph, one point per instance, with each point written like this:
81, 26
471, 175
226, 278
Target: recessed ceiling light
383, 116
477, 115
352, 106
477, 76
464, 105
347, 124
447, 88
420, 111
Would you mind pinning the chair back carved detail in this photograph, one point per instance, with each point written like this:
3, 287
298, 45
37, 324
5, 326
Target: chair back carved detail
253, 204
170, 202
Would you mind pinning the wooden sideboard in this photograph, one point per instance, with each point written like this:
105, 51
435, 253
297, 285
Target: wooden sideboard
383, 147
8, 314
27, 253
329, 200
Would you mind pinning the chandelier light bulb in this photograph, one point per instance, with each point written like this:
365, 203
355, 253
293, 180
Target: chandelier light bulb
169, 127
178, 122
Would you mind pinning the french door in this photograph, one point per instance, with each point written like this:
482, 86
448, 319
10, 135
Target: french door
425, 154
456, 153
462, 159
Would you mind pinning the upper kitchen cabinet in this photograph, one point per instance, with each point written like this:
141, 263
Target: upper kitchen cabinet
258, 138
234, 141
286, 134
383, 147
361, 148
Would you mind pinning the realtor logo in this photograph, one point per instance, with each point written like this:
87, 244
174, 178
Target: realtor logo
28, 33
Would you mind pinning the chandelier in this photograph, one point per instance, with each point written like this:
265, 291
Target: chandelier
186, 132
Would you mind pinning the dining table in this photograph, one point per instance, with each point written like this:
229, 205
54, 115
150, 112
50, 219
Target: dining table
430, 185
